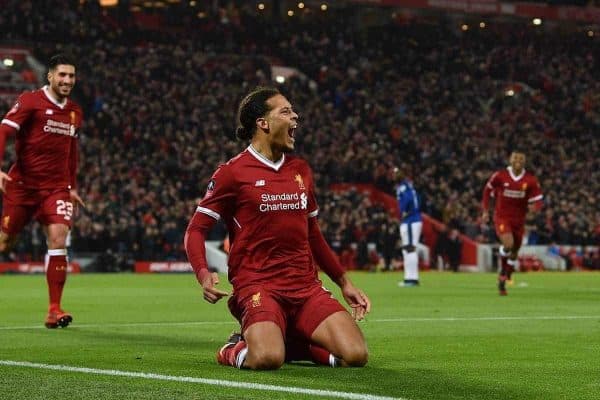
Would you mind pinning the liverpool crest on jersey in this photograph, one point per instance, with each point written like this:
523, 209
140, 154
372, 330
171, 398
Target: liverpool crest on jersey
300, 181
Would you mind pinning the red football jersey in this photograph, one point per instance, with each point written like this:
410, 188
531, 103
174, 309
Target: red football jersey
512, 193
266, 207
46, 140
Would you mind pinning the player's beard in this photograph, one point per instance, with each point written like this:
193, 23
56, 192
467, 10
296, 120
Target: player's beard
64, 90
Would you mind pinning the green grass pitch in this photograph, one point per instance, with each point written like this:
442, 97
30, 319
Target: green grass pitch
451, 338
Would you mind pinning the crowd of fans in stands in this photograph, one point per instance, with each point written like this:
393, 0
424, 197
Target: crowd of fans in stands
447, 104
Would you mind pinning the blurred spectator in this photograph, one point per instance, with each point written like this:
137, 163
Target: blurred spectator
450, 104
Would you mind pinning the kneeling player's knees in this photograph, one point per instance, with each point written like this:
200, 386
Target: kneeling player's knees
265, 359
356, 356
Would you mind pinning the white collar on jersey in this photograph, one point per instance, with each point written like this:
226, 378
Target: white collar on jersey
512, 175
49, 96
265, 160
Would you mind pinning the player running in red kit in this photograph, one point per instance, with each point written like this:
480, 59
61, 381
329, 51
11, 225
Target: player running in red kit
41, 183
515, 191
266, 198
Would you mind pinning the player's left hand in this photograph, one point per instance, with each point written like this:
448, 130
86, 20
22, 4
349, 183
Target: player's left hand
76, 198
358, 301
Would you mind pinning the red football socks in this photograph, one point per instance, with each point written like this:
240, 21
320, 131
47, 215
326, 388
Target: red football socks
56, 275
321, 356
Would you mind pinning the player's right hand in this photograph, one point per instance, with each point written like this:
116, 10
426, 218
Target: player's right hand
211, 293
3, 178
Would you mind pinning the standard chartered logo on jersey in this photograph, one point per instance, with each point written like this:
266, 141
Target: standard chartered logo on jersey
283, 202
59, 127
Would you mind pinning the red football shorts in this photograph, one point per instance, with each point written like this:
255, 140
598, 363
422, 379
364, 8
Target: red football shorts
20, 205
302, 315
514, 227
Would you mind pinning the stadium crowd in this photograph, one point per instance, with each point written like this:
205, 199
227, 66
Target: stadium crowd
448, 104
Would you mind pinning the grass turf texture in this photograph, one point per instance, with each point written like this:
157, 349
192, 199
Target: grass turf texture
451, 338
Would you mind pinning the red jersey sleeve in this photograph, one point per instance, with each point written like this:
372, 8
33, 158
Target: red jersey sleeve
312, 207
193, 242
20, 112
74, 152
534, 193
324, 256
13, 120
488, 191
220, 193
219, 196
73, 163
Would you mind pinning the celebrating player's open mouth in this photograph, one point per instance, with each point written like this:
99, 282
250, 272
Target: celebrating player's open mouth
292, 132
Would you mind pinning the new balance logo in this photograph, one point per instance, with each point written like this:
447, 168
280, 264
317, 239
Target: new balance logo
260, 182
49, 112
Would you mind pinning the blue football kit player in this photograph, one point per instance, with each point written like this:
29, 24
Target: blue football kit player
411, 225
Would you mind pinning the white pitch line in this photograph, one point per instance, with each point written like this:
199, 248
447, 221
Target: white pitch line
125, 325
440, 319
544, 317
203, 381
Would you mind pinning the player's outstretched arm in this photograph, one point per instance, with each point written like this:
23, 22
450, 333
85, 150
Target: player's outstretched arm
329, 263
194, 243
5, 131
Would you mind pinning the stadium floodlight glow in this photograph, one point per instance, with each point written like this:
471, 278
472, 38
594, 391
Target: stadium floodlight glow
482, 24
9, 62
290, 13
323, 7
510, 93
301, 5
261, 6
280, 79
537, 21
108, 3
464, 27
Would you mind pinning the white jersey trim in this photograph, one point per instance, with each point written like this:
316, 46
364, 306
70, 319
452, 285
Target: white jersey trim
47, 93
11, 123
313, 214
512, 175
275, 165
536, 198
209, 212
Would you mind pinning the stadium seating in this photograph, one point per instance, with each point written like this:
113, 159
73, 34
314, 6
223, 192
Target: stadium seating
160, 114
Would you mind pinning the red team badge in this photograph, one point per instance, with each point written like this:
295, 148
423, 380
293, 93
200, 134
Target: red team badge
298, 178
255, 300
